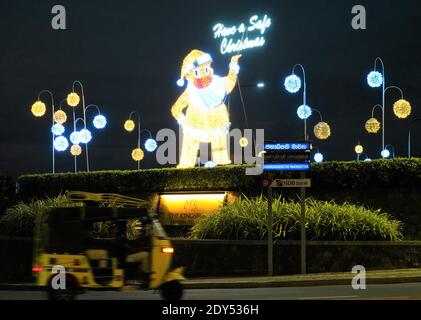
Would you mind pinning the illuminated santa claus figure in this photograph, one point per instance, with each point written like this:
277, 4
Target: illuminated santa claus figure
201, 110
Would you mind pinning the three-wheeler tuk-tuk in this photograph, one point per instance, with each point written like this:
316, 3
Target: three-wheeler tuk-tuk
107, 242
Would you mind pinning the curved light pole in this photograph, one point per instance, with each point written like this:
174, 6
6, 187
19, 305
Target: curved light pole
52, 123
138, 132
375, 80
409, 137
296, 88
77, 82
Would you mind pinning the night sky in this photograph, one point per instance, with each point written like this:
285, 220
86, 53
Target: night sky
128, 55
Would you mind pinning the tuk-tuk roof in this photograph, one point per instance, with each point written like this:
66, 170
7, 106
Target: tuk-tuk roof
95, 214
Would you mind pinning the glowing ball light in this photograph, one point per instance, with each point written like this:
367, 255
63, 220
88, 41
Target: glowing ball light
385, 153
73, 99
322, 131
57, 129
402, 109
85, 136
210, 164
138, 154
372, 125
151, 145
304, 112
76, 150
100, 121
375, 79
60, 117
75, 137
359, 149
244, 142
129, 125
61, 143
38, 109
292, 83
318, 157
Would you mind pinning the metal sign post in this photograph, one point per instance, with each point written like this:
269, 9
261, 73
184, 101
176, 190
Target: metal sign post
270, 233
288, 157
303, 227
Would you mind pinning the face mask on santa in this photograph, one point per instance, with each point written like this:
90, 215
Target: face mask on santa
203, 76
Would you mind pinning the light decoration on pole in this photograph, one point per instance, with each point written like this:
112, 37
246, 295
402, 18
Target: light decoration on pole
85, 136
151, 145
304, 112
57, 129
292, 83
372, 125
73, 99
200, 109
76, 150
75, 137
38, 109
129, 125
318, 157
100, 121
61, 143
60, 116
244, 142
375, 79
322, 131
402, 109
385, 153
359, 149
138, 154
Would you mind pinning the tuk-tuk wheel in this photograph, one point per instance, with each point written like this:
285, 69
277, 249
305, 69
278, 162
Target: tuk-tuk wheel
62, 294
171, 291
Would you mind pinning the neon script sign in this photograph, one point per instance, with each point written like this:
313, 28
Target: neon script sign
236, 38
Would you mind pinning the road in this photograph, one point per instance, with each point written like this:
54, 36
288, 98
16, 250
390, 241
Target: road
407, 291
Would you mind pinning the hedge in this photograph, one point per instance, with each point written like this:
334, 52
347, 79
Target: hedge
379, 173
7, 192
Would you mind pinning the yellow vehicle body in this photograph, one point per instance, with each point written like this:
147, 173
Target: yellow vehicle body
80, 268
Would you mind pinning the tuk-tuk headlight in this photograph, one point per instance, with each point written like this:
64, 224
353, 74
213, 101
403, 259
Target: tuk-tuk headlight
167, 250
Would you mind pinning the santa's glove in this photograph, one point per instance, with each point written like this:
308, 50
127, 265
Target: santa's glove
234, 67
181, 120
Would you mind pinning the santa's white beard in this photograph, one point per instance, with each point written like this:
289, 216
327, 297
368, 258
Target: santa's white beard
210, 97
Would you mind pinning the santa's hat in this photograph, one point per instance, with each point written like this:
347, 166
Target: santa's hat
194, 59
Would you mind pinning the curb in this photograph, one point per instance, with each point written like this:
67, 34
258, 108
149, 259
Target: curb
209, 284
294, 283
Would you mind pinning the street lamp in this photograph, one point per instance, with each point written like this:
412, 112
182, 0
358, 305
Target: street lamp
409, 137
401, 108
38, 109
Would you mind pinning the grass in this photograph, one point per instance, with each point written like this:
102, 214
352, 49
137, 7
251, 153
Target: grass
246, 219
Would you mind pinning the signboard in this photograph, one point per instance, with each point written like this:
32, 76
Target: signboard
243, 36
291, 183
185, 209
291, 156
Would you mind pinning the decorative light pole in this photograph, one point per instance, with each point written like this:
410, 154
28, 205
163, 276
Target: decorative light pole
293, 84
39, 109
85, 136
150, 144
401, 108
409, 137
359, 149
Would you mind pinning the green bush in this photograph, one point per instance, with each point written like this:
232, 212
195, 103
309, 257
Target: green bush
246, 219
379, 173
7, 192
20, 219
